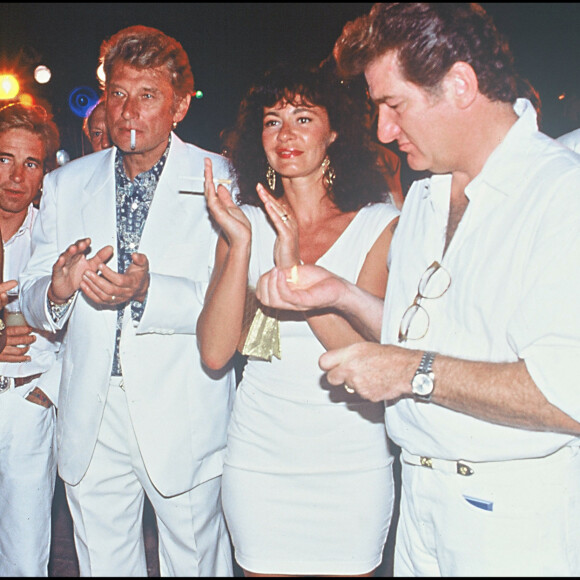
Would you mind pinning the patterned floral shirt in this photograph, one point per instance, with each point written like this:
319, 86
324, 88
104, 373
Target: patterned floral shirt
133, 202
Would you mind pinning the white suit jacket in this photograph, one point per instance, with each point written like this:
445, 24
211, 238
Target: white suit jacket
179, 410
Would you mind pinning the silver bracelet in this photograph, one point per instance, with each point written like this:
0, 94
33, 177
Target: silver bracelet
57, 311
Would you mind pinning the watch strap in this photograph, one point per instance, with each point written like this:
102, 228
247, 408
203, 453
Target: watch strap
425, 368
426, 364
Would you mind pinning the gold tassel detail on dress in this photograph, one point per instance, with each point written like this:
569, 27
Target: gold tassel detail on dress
263, 340
260, 332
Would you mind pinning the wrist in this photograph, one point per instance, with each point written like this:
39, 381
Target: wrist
55, 299
58, 310
350, 299
141, 297
240, 250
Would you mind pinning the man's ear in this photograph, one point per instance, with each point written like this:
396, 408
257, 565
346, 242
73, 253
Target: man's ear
182, 108
462, 84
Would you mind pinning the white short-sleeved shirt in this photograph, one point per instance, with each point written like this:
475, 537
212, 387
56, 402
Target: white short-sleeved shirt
17, 252
514, 263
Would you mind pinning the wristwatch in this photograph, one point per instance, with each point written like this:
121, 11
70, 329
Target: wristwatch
423, 382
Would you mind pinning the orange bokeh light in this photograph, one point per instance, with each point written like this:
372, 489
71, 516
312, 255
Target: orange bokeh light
9, 87
26, 99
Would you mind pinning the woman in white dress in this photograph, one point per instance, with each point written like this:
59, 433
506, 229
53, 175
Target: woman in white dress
307, 486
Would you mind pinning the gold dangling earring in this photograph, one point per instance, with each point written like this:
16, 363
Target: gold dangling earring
328, 174
271, 178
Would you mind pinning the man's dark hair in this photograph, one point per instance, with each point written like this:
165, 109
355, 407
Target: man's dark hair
429, 38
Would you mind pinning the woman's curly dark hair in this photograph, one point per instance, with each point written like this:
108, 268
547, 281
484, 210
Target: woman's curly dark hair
358, 181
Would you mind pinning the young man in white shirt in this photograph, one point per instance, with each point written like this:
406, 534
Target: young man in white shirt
29, 371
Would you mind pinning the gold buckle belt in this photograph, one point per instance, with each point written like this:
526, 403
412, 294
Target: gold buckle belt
459, 467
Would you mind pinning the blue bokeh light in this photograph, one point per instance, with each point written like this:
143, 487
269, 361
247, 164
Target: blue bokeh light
81, 100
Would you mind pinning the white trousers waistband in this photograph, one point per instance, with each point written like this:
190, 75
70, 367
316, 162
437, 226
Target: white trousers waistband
468, 468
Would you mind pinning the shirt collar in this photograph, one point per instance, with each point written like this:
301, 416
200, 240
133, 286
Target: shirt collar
155, 171
24, 226
501, 170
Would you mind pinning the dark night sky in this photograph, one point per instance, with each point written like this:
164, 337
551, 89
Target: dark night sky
230, 44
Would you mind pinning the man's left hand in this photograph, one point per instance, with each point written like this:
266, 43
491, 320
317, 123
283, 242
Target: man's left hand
111, 288
38, 397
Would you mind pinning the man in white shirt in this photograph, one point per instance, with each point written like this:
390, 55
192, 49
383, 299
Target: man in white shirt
29, 371
481, 342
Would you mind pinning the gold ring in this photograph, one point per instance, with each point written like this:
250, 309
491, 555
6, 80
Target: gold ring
348, 389
284, 217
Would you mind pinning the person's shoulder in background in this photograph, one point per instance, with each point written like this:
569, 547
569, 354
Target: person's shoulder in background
571, 140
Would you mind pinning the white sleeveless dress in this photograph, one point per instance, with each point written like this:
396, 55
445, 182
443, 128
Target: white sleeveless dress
307, 486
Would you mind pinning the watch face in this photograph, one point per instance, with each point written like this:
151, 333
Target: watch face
422, 384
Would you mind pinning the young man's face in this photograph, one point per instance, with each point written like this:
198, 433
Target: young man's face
22, 157
418, 120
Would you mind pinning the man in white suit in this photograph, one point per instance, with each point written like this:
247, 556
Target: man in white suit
123, 259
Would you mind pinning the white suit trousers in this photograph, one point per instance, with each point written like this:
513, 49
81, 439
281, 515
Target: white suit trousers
27, 478
107, 511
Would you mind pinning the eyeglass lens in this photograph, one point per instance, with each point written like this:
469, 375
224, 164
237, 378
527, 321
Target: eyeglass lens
433, 284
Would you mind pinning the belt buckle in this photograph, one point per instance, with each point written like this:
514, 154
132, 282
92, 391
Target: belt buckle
6, 384
464, 469
426, 462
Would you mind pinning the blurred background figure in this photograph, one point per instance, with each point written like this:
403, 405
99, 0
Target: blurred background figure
390, 166
389, 162
29, 371
95, 128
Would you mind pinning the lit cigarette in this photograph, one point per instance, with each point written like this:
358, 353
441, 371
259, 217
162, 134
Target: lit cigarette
215, 180
293, 275
133, 144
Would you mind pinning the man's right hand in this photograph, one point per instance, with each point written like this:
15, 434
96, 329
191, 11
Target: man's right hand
70, 267
4, 287
18, 341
